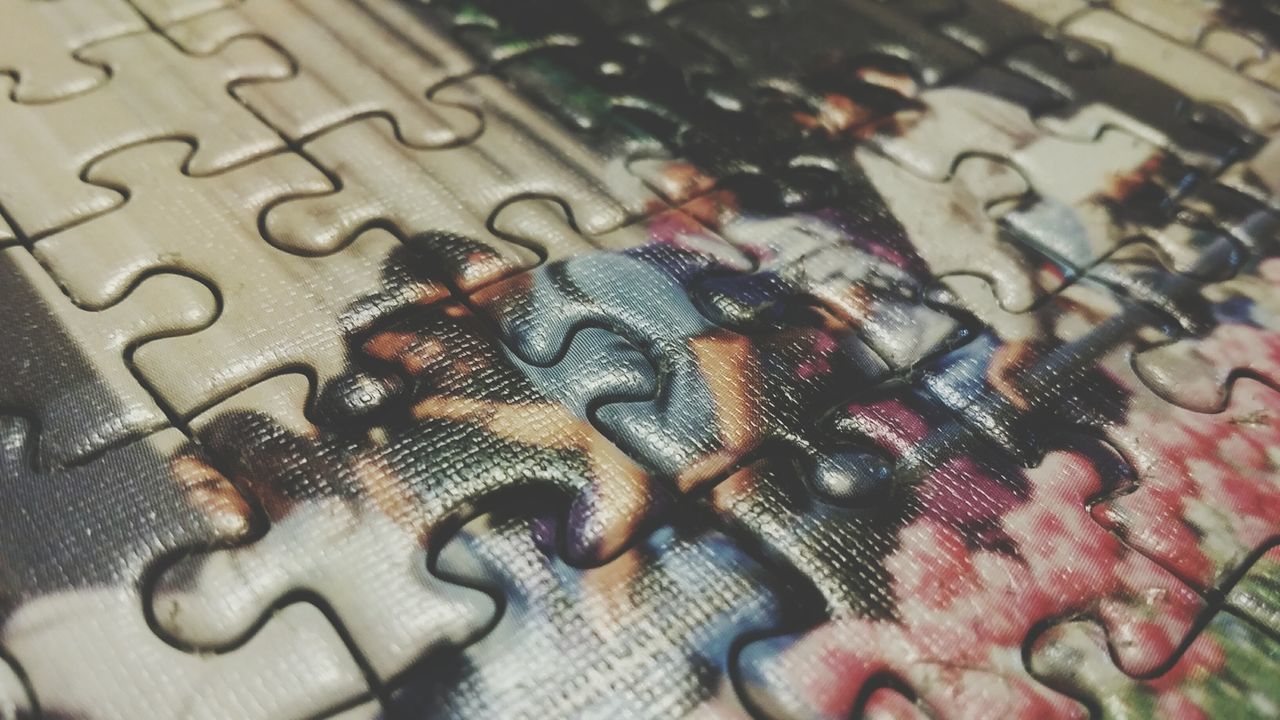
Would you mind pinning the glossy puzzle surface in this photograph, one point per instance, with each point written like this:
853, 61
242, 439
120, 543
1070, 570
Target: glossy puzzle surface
628, 359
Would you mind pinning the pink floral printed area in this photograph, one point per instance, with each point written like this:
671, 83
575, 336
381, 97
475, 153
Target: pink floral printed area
1209, 487
966, 604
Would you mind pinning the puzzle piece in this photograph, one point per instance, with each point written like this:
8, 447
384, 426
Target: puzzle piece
1257, 594
1119, 187
1226, 671
965, 531
1197, 372
39, 40
1200, 78
613, 622
78, 543
1121, 190
1094, 92
333, 534
208, 227
430, 197
85, 395
351, 59
14, 703
155, 91
1233, 33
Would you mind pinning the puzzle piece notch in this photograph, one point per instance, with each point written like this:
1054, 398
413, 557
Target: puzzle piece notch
616, 621
39, 41
68, 367
1224, 671
42, 190
350, 60
73, 611
329, 536
209, 227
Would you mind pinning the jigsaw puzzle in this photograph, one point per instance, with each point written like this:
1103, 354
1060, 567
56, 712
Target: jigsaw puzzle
812, 359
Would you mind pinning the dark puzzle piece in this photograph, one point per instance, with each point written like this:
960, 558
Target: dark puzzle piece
601, 642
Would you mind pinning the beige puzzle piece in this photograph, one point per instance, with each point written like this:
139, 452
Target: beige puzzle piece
38, 39
277, 309
81, 412
155, 91
950, 226
426, 195
1200, 77
353, 57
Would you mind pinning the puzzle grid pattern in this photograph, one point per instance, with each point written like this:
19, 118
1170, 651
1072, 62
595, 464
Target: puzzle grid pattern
709, 358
